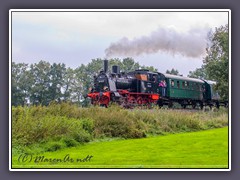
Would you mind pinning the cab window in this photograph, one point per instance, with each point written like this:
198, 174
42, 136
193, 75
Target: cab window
142, 77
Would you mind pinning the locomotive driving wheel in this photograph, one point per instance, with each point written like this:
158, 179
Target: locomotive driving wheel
132, 101
104, 100
147, 103
140, 101
194, 105
170, 104
123, 102
95, 101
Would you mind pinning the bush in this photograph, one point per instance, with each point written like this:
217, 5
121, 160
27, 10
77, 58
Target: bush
81, 136
34, 125
54, 146
70, 142
72, 125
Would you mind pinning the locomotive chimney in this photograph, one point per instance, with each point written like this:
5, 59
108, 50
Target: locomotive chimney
105, 65
116, 69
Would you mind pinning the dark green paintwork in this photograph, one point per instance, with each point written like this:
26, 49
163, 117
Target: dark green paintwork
184, 89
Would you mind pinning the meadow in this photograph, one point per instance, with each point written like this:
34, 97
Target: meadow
60, 128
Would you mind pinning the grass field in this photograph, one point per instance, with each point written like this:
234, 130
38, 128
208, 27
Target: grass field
203, 149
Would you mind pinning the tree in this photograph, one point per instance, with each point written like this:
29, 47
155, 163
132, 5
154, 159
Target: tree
81, 83
216, 62
173, 71
56, 81
150, 68
199, 73
129, 65
68, 81
21, 83
40, 87
126, 65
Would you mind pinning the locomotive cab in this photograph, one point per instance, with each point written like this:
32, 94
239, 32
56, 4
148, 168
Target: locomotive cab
146, 81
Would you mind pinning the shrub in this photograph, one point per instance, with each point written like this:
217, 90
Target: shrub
70, 142
72, 125
30, 126
81, 136
54, 146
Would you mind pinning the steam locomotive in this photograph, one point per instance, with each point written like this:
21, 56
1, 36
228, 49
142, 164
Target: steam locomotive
145, 88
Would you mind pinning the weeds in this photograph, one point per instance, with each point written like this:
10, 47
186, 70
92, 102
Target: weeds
66, 125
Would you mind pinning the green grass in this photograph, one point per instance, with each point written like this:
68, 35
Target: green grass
203, 149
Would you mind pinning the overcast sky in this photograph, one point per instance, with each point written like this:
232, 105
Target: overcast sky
164, 40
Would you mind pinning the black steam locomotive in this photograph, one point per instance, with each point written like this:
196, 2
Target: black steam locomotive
145, 88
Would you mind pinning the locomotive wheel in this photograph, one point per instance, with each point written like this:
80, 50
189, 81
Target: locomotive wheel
160, 103
123, 102
225, 104
184, 106
147, 103
132, 101
104, 105
170, 104
194, 105
140, 101
95, 103
113, 98
210, 106
105, 101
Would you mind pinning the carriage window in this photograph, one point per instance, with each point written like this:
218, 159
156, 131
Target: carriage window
183, 85
199, 87
178, 84
191, 85
187, 84
196, 87
172, 83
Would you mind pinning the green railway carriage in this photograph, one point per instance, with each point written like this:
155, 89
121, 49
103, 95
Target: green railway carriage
184, 90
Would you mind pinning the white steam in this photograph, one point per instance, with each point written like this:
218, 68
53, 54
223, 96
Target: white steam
191, 44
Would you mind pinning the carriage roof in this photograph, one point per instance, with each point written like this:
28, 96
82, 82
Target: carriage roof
170, 76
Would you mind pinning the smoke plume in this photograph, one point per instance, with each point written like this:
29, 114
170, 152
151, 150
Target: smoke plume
191, 43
